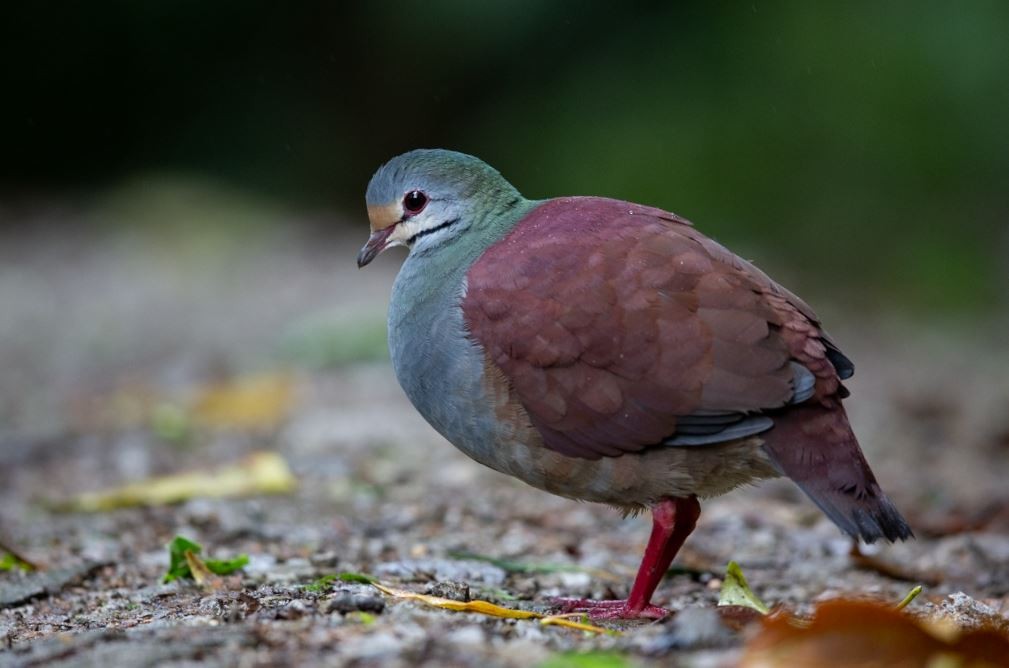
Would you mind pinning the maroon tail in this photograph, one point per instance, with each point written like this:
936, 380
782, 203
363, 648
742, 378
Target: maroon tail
813, 445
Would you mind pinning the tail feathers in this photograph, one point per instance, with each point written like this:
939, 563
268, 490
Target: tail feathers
869, 518
813, 445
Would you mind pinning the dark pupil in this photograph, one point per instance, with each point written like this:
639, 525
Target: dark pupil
415, 201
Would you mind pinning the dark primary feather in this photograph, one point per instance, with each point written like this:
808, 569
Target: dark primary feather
813, 445
844, 366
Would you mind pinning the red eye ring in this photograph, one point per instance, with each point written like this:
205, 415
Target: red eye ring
414, 202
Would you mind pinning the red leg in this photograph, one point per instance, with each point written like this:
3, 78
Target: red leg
672, 521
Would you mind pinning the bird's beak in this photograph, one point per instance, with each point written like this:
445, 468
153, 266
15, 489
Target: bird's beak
377, 242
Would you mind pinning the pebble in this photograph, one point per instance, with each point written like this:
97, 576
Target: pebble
456, 591
344, 603
467, 635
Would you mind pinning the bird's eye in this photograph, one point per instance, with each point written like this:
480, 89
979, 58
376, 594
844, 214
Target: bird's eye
414, 202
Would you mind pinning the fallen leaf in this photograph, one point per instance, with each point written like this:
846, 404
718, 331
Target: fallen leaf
201, 574
248, 403
867, 634
911, 595
255, 402
890, 569
8, 562
736, 591
738, 617
587, 660
184, 562
481, 607
170, 422
322, 584
489, 609
177, 566
565, 621
11, 559
259, 473
359, 578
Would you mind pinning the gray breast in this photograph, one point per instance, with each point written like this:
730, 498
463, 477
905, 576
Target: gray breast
439, 367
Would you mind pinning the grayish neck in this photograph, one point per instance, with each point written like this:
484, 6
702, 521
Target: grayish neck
427, 336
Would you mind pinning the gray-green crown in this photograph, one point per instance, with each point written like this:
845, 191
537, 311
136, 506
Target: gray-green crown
441, 174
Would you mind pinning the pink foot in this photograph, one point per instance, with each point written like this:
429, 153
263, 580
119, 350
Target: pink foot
608, 609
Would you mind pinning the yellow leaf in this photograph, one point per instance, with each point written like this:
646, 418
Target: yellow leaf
487, 608
561, 620
481, 607
259, 473
736, 591
253, 402
201, 574
911, 595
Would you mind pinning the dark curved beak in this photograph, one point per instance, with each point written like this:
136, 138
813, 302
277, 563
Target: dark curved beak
377, 242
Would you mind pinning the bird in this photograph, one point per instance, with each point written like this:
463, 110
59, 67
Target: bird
609, 352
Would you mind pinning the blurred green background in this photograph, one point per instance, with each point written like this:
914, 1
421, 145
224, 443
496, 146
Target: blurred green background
861, 149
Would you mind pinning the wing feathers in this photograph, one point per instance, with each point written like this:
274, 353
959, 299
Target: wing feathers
620, 327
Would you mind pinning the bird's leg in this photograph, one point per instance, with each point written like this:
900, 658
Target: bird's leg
672, 521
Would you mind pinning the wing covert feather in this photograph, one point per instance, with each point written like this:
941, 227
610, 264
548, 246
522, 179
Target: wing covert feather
612, 320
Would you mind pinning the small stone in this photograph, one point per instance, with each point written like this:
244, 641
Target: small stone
325, 560
342, 603
576, 580
372, 604
467, 635
345, 603
691, 628
293, 610
456, 591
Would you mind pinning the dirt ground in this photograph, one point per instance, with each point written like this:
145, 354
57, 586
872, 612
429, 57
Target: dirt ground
93, 318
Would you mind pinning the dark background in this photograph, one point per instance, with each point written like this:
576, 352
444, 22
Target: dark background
181, 204
863, 148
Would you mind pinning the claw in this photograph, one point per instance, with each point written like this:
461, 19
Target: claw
616, 609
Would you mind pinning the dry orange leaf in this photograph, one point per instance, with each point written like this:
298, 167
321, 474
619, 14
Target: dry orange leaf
867, 635
488, 608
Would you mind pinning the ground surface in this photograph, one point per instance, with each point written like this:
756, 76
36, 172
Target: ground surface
105, 335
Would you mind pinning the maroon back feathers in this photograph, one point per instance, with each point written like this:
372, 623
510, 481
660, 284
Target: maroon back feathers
612, 322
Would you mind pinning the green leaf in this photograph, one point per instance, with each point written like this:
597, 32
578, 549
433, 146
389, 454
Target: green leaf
322, 584
736, 591
359, 578
587, 660
178, 567
8, 562
911, 595
227, 566
171, 423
